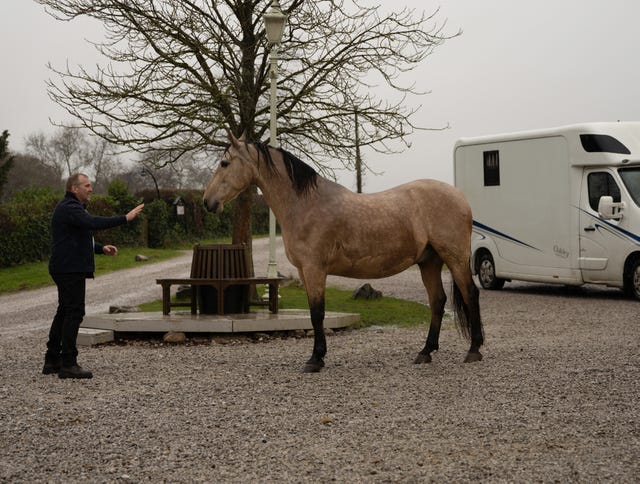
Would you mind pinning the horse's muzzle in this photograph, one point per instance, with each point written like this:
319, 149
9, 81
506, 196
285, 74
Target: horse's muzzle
213, 206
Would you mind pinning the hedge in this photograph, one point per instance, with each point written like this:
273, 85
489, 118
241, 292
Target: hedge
25, 226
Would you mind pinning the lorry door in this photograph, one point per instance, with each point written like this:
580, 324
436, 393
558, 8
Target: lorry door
600, 242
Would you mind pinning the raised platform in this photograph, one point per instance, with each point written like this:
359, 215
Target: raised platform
99, 328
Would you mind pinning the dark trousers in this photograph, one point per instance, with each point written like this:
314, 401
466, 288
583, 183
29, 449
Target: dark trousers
66, 322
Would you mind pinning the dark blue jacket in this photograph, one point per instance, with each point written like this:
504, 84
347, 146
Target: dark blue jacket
72, 244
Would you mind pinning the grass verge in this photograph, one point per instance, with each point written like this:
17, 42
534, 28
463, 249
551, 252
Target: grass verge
386, 311
36, 274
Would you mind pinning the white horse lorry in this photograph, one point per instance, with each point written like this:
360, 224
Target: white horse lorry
557, 205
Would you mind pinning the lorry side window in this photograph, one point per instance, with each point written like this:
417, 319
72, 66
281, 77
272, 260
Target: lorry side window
491, 168
602, 143
600, 184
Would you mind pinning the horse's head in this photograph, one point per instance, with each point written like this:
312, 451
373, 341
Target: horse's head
235, 172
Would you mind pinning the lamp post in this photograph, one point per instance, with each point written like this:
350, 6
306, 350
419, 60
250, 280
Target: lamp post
274, 21
144, 172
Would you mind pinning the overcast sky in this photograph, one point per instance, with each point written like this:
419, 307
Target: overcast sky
518, 65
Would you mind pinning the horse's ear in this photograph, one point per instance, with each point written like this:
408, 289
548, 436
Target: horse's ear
233, 140
243, 137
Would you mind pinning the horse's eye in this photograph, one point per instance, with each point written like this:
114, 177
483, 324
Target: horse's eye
224, 163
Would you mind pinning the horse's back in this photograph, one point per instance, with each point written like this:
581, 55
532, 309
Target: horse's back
428, 199
433, 192
379, 234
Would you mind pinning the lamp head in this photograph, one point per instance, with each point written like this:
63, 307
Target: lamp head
274, 21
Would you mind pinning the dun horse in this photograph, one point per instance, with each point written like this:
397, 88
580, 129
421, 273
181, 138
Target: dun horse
328, 229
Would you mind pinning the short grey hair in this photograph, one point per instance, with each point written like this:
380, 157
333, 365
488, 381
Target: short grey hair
73, 180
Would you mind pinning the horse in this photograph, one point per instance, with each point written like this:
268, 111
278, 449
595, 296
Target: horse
330, 230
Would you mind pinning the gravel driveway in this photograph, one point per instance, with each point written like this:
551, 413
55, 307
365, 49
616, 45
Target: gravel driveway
557, 397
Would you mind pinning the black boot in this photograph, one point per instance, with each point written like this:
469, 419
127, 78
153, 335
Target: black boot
74, 371
52, 365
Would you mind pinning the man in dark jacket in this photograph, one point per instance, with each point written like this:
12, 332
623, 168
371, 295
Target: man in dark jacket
71, 263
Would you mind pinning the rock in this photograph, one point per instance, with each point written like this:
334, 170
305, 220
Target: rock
299, 333
141, 258
183, 292
291, 281
366, 292
201, 341
175, 337
287, 280
327, 420
260, 336
123, 309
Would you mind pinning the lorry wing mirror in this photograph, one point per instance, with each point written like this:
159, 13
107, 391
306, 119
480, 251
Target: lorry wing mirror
608, 209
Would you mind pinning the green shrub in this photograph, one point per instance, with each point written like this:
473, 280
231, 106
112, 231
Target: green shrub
118, 201
25, 226
159, 224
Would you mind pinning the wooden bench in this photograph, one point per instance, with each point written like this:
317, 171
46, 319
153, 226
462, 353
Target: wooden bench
220, 267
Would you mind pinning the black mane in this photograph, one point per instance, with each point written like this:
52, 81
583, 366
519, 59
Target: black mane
303, 177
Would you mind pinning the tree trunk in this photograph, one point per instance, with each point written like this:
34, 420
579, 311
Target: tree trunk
241, 233
241, 216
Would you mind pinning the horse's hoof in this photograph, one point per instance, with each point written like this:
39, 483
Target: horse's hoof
472, 357
422, 359
312, 366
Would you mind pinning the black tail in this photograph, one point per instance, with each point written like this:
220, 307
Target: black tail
467, 316
460, 312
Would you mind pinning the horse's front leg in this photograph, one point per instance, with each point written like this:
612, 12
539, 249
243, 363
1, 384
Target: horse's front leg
315, 283
316, 362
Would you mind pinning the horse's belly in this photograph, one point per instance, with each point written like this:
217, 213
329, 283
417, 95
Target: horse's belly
370, 267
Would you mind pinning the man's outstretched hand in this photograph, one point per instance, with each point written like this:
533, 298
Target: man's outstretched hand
134, 213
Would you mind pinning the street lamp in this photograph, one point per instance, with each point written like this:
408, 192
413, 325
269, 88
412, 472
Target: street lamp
274, 21
144, 172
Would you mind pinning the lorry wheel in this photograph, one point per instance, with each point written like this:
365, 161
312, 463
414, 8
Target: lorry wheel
487, 272
632, 279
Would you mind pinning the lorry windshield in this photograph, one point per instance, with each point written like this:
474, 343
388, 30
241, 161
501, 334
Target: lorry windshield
631, 179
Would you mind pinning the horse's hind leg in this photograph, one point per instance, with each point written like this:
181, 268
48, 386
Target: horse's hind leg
466, 300
431, 270
477, 333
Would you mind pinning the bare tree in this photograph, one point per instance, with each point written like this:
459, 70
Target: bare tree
104, 160
29, 172
70, 150
61, 151
181, 72
191, 171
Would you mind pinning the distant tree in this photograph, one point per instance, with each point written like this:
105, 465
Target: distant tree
62, 151
131, 178
189, 172
6, 160
104, 161
196, 173
29, 172
70, 150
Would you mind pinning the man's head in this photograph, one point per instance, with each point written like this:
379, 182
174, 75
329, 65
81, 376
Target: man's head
80, 185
